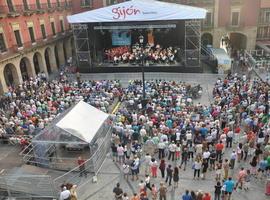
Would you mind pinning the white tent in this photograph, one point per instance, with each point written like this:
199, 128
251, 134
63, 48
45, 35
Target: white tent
139, 10
83, 121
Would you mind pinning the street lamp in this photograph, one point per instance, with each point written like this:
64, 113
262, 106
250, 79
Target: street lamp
142, 57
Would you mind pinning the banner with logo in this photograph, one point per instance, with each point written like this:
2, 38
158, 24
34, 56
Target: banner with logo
139, 10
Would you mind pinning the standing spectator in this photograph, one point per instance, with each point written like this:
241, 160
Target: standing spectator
218, 191
162, 192
118, 192
218, 170
184, 158
114, 151
233, 158
226, 167
219, 149
197, 168
161, 149
81, 163
253, 164
154, 192
65, 194
162, 167
153, 166
135, 197
241, 178
147, 162
73, 193
186, 196
247, 180
169, 172
177, 151
229, 139
126, 170
204, 168
172, 149
229, 184
206, 196
147, 182
176, 176
120, 153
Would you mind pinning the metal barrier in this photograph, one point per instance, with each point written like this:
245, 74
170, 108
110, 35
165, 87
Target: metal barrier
27, 187
92, 165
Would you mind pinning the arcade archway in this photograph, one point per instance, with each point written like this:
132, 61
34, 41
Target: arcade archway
25, 67
48, 56
11, 75
37, 60
207, 39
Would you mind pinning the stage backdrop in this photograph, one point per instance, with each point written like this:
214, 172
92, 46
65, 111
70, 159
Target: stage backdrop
121, 38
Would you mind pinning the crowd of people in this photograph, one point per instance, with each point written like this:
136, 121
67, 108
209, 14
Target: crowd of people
30, 107
152, 54
172, 134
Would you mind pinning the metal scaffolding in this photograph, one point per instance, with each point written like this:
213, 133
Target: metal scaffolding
192, 42
81, 40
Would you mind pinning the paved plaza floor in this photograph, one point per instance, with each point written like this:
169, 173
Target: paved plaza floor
110, 172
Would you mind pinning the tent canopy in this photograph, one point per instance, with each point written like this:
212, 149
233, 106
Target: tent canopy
77, 125
83, 121
139, 10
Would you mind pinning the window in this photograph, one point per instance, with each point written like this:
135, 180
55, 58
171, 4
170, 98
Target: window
3, 47
86, 3
235, 18
25, 5
18, 38
267, 16
38, 4
110, 2
62, 26
49, 3
53, 28
66, 3
10, 6
42, 27
208, 19
32, 35
58, 3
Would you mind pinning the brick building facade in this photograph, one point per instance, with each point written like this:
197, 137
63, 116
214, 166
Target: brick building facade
34, 37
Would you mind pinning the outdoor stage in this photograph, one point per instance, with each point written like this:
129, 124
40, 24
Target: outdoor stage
126, 37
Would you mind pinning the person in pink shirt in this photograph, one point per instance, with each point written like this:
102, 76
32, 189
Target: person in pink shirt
241, 177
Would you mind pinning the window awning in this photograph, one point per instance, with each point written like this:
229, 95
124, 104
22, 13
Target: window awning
139, 10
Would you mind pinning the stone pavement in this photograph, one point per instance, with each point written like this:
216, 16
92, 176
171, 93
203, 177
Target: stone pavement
110, 172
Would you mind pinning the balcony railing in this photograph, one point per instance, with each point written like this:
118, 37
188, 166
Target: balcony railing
196, 2
238, 27
237, 2
39, 42
22, 9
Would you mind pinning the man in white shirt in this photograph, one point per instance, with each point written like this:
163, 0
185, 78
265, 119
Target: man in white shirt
161, 149
172, 148
229, 139
65, 194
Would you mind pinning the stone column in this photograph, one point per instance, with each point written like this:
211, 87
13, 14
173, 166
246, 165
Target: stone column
2, 79
60, 51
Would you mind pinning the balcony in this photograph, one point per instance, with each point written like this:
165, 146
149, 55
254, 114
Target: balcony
30, 9
236, 2
207, 27
27, 46
196, 2
233, 28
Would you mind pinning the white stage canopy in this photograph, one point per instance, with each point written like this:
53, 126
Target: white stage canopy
139, 10
83, 121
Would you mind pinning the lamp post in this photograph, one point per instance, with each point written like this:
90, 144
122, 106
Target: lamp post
142, 56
